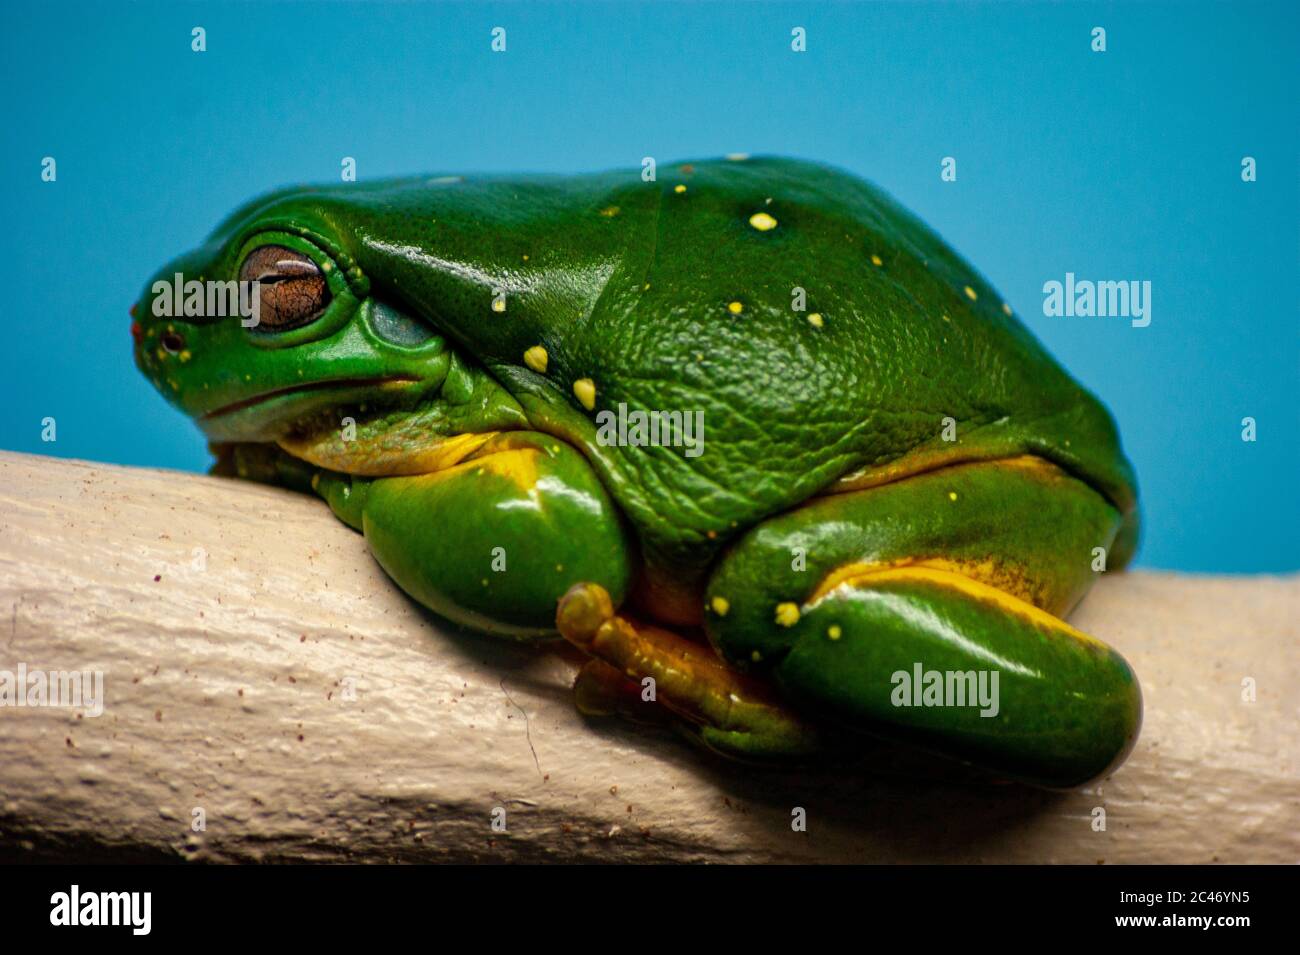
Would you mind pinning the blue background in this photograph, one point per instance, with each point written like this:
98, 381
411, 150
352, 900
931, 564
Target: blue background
1122, 165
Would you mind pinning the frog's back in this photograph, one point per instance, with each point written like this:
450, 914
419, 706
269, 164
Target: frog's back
896, 333
682, 295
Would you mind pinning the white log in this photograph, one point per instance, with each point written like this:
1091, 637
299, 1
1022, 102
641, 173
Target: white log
229, 619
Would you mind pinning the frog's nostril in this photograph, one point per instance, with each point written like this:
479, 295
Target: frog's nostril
172, 342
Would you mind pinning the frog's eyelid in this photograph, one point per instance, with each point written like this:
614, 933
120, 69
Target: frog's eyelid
339, 262
301, 266
293, 266
280, 274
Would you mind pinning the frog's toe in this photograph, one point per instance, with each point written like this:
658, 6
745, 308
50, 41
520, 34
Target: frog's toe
601, 690
583, 610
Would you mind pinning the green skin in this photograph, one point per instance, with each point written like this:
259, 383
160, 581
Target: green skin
894, 474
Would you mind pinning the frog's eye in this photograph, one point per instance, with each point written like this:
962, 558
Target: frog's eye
294, 292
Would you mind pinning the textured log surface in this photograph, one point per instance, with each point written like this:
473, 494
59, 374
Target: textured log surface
259, 667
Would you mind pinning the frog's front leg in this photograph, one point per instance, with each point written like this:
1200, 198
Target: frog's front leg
925, 611
493, 542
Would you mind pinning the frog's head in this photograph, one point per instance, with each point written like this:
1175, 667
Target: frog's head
358, 284
273, 323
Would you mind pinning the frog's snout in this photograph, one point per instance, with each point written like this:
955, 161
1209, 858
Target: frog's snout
170, 340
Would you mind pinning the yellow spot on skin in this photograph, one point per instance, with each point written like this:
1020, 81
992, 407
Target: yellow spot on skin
536, 358
945, 318
609, 212
720, 606
762, 222
834, 631
679, 188
185, 355
970, 293
952, 495
584, 389
518, 465
756, 656
525, 257
815, 320
735, 308
877, 260
787, 614
1006, 308
161, 354
498, 305
712, 535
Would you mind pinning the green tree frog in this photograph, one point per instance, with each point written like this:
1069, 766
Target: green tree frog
749, 434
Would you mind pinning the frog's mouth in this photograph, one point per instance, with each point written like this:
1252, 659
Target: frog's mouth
270, 415
341, 384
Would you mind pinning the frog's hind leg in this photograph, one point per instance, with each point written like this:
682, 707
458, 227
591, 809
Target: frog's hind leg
929, 611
